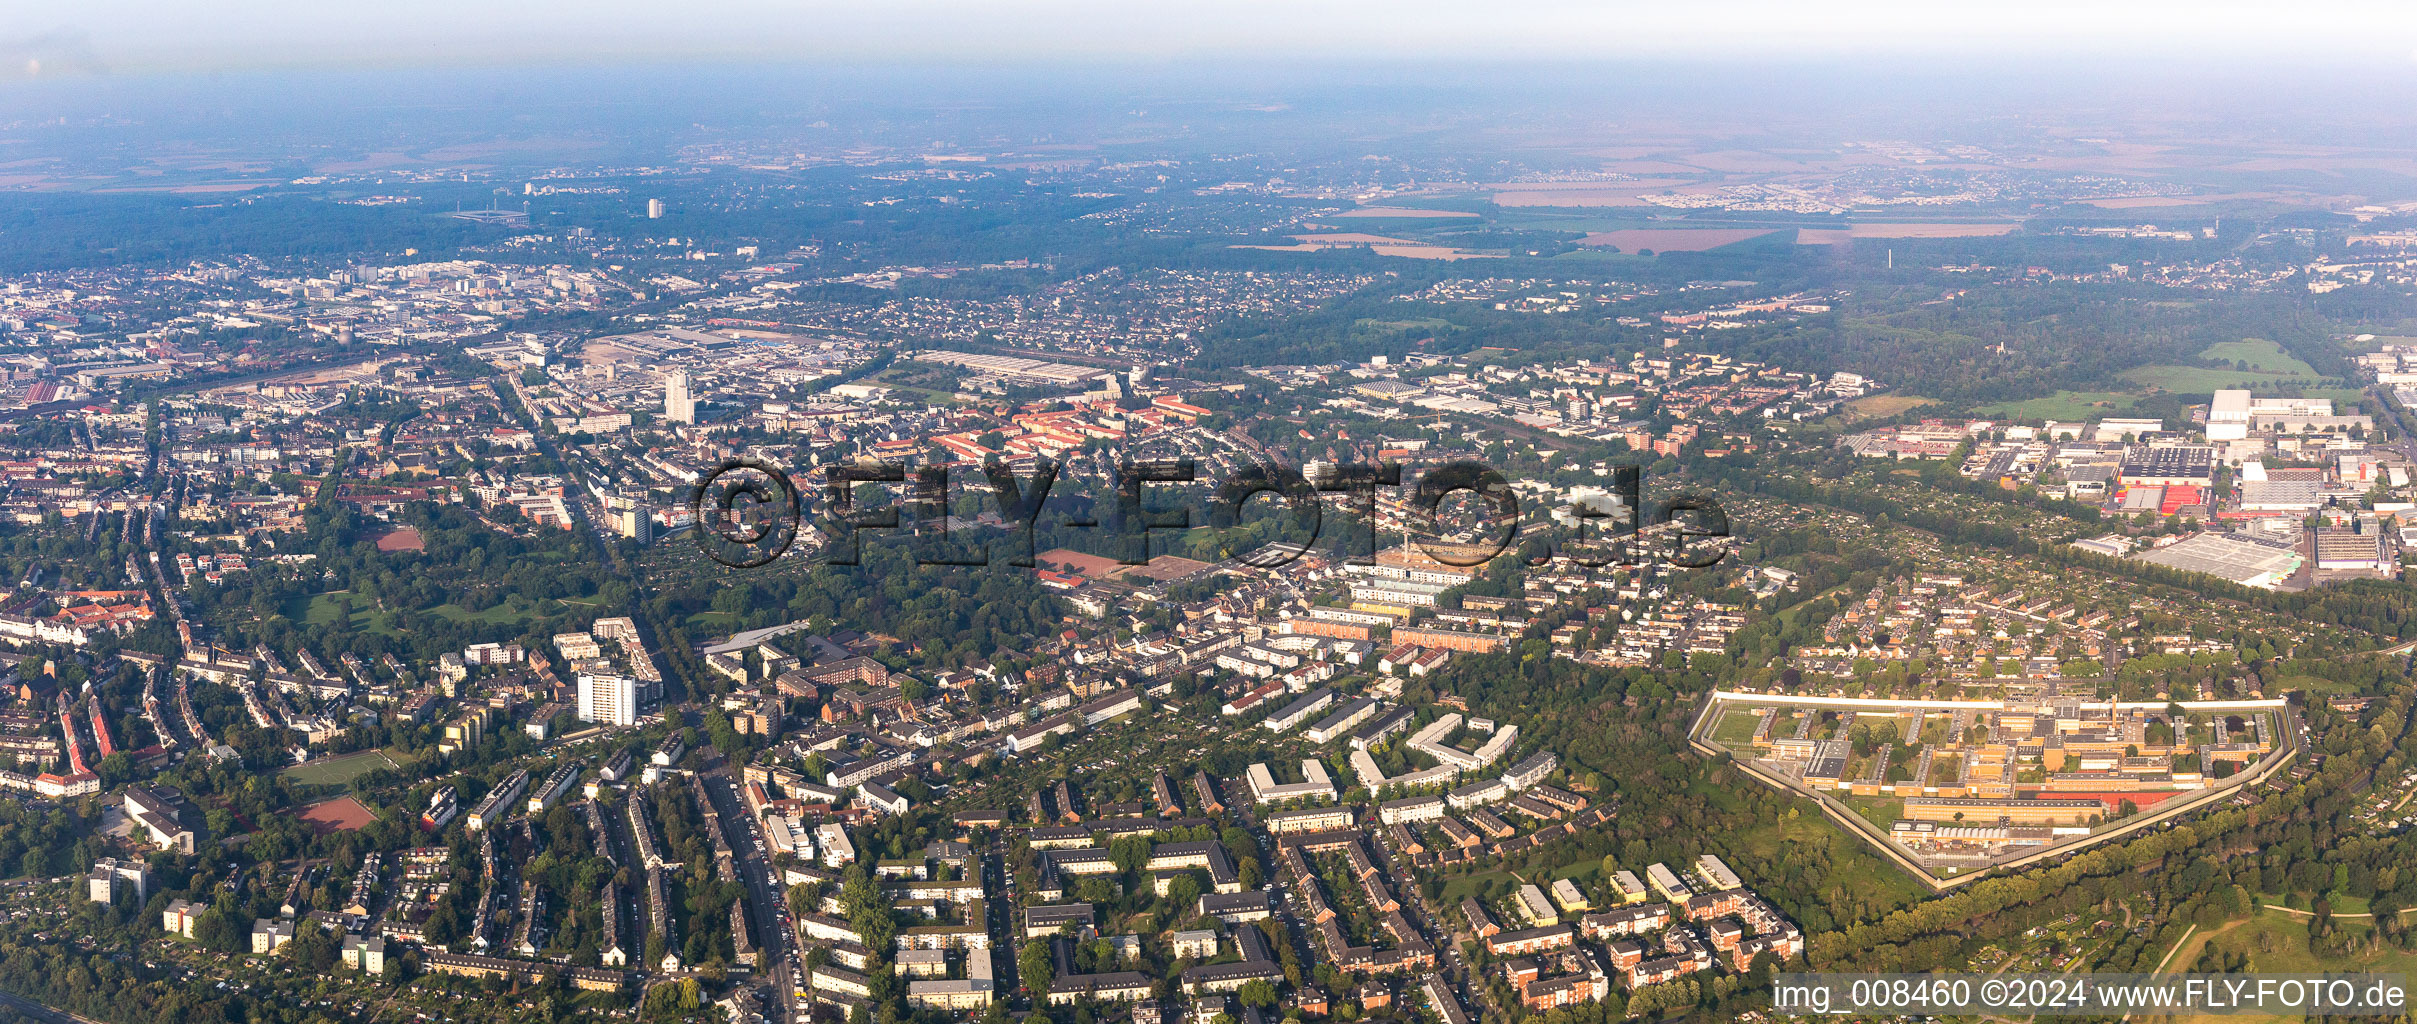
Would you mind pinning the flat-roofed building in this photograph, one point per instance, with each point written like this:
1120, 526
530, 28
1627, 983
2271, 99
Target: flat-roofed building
1985, 811
2167, 465
1236, 908
1308, 819
1530, 940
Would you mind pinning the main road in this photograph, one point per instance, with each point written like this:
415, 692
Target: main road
766, 900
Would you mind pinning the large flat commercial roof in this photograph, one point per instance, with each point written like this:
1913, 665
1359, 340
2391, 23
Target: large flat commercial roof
2241, 559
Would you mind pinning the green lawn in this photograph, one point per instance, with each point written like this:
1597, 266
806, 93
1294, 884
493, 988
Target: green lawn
2200, 380
324, 609
1881, 811
2261, 354
2312, 684
513, 609
1884, 406
2268, 364
1583, 871
1881, 882
318, 609
2343, 903
2277, 943
2065, 405
1735, 730
1424, 323
337, 771
1722, 797
1465, 886
1589, 255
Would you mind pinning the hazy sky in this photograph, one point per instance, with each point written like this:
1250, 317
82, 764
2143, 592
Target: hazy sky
63, 37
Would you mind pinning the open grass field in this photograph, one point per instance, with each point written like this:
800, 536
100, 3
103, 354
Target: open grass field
2141, 202
2270, 369
338, 771
329, 608
1881, 811
2277, 943
1882, 882
1584, 255
1673, 239
1880, 407
1582, 871
2261, 354
1466, 886
1873, 877
1403, 212
1369, 325
2065, 405
722, 621
320, 609
2343, 903
2199, 380
1834, 236
2268, 364
898, 378
2312, 684
512, 609
1582, 194
325, 609
1735, 730
1382, 247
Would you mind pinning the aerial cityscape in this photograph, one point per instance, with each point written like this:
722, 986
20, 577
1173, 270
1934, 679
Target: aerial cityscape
678, 523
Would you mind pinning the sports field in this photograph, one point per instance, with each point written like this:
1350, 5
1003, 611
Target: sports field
342, 814
338, 771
